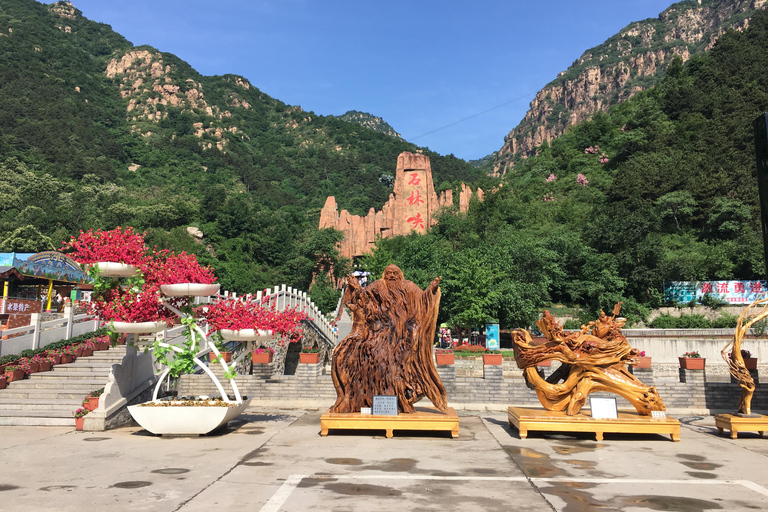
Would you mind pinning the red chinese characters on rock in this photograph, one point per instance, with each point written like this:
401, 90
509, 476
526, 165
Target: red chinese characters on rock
415, 199
416, 221
415, 179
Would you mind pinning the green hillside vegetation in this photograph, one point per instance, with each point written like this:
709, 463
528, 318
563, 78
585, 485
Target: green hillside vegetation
676, 200
72, 155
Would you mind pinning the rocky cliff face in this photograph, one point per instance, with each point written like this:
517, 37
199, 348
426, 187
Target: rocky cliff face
627, 63
410, 208
370, 121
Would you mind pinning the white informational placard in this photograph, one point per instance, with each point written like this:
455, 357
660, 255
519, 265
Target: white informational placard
659, 414
603, 408
384, 405
365, 410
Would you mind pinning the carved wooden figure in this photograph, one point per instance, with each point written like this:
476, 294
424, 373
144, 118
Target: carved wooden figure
595, 359
755, 312
389, 350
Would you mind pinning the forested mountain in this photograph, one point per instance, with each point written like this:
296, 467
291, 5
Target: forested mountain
375, 123
629, 62
96, 133
661, 187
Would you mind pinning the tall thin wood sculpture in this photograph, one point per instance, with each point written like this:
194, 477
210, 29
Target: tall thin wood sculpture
755, 312
595, 360
389, 350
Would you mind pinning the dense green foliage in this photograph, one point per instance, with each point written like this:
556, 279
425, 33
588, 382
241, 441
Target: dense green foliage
674, 198
72, 157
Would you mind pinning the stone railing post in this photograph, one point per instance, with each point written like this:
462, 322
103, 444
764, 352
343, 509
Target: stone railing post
70, 318
35, 320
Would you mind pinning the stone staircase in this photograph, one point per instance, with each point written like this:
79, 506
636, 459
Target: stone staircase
49, 398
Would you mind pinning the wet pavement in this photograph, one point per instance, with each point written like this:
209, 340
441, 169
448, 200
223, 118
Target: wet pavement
275, 460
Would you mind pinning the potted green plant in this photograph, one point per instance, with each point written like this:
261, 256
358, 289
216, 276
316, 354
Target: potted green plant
643, 361
444, 356
262, 355
692, 361
492, 357
79, 415
309, 355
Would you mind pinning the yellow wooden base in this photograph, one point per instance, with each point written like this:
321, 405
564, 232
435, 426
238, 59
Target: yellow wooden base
736, 424
628, 422
425, 418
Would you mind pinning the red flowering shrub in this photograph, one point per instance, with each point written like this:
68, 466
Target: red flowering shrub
477, 349
123, 246
165, 267
237, 314
129, 306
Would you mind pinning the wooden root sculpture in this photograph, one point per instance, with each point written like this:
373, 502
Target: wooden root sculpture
755, 312
595, 359
389, 350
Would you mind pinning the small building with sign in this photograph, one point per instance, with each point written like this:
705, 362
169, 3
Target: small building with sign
30, 281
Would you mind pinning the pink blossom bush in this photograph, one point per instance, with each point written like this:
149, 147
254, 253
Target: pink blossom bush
122, 246
551, 177
582, 180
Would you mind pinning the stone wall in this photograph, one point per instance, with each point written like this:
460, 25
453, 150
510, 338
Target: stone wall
683, 391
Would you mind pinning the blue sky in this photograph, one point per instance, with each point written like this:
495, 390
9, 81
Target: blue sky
455, 76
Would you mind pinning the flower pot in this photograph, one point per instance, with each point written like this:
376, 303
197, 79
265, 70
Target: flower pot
185, 420
115, 269
79, 423
226, 357
14, 375
643, 362
190, 289
138, 327
34, 367
492, 359
3, 381
544, 364
309, 358
445, 358
45, 366
261, 357
750, 363
93, 403
87, 351
79, 352
55, 359
246, 335
66, 358
692, 363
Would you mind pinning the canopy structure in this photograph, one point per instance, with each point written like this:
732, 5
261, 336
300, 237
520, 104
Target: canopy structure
48, 268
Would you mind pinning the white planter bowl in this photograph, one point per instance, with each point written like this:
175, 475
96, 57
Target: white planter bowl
139, 327
115, 269
247, 335
185, 420
190, 289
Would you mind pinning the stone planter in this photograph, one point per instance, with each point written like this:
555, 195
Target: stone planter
14, 375
3, 381
79, 423
185, 420
115, 269
45, 366
643, 362
261, 357
492, 359
692, 363
750, 363
93, 403
246, 335
444, 359
138, 327
190, 289
309, 358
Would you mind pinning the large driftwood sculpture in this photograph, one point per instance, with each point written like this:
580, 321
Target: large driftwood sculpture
389, 350
595, 359
755, 312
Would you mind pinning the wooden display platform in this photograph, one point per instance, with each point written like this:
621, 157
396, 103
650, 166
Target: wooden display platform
628, 422
425, 418
736, 424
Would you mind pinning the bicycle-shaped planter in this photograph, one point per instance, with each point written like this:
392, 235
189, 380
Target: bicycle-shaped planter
200, 415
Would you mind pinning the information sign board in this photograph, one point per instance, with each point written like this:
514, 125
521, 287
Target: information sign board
603, 408
384, 405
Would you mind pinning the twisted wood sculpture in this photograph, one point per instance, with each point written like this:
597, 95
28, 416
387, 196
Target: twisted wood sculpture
389, 350
755, 312
595, 359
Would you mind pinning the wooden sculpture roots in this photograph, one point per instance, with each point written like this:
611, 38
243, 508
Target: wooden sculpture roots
755, 312
389, 351
595, 359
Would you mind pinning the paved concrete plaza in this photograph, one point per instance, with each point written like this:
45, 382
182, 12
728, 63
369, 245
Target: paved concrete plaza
274, 460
